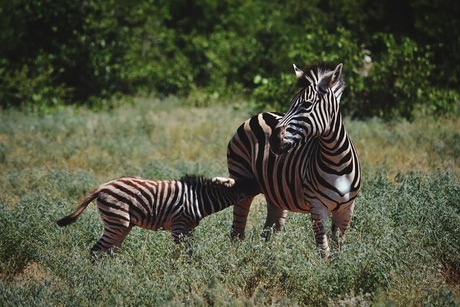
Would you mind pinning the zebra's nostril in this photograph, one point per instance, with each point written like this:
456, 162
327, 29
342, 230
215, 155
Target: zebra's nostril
279, 132
276, 140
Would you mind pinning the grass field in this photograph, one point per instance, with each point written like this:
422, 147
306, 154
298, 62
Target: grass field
403, 246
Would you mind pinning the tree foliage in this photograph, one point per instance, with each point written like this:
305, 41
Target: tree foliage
85, 52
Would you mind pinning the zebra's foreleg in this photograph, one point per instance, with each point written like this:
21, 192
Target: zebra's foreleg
180, 233
183, 235
240, 217
340, 221
319, 214
276, 218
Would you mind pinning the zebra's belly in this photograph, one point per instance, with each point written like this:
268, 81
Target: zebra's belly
299, 197
299, 207
152, 224
304, 205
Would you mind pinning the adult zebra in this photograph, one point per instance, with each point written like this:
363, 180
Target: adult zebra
304, 161
175, 205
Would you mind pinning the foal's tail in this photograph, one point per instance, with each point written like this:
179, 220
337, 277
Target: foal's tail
69, 219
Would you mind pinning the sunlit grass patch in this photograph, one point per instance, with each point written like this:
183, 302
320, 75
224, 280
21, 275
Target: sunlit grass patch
397, 146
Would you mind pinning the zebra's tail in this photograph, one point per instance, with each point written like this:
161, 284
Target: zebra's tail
69, 219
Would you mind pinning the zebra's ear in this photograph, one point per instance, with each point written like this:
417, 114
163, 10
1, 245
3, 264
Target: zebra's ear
330, 79
336, 75
300, 75
298, 72
228, 182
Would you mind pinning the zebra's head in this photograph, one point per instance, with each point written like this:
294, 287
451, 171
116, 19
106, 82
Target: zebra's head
312, 109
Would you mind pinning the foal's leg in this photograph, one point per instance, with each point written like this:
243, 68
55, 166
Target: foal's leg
181, 233
117, 244
113, 236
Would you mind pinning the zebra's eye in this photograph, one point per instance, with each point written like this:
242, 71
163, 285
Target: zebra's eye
307, 104
322, 91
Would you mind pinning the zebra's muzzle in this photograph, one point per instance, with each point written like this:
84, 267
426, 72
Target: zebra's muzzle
277, 143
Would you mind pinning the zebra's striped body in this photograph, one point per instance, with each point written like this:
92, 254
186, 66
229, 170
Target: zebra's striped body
175, 205
303, 161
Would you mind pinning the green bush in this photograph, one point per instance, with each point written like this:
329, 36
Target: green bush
336, 47
91, 52
31, 86
399, 83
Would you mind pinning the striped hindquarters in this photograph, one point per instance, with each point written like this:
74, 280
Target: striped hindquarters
144, 203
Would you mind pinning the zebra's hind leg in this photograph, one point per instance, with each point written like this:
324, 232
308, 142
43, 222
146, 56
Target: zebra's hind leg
119, 242
111, 240
240, 218
276, 218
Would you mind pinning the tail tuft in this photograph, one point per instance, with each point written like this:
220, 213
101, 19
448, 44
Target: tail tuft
66, 221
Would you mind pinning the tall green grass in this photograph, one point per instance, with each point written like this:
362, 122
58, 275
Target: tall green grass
402, 247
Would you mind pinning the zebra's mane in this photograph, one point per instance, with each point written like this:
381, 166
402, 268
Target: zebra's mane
314, 72
196, 180
246, 186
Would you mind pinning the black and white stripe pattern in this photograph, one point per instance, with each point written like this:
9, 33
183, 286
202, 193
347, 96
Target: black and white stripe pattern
303, 161
175, 205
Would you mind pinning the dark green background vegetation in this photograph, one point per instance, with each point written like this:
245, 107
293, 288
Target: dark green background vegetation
88, 52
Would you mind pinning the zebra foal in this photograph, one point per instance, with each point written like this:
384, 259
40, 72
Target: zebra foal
174, 205
303, 160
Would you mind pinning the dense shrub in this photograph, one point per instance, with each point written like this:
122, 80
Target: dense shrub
399, 83
55, 53
401, 247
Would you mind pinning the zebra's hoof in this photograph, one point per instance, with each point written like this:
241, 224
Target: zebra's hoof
267, 233
325, 253
235, 236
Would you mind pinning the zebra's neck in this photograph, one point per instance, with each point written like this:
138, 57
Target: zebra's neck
335, 146
213, 199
